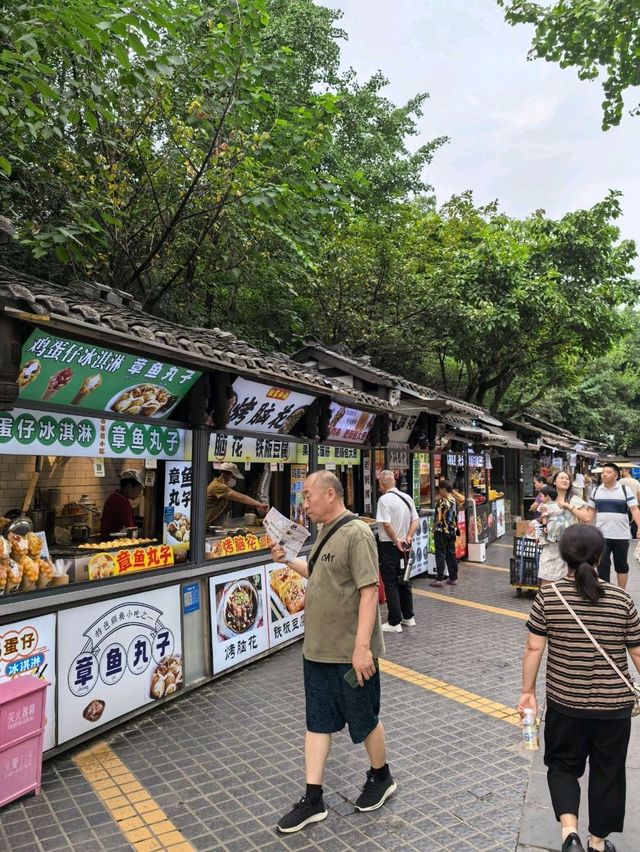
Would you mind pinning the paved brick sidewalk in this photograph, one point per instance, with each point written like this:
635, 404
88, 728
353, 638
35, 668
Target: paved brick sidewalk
225, 762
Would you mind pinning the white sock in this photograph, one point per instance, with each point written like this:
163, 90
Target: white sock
567, 830
597, 843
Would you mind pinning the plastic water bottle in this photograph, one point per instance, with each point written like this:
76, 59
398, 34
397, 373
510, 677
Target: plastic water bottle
529, 731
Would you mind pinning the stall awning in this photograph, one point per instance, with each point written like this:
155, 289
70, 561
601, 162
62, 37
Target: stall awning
502, 438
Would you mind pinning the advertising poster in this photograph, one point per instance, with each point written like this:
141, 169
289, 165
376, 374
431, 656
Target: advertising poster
238, 624
117, 655
461, 540
297, 511
349, 424
366, 484
25, 432
176, 521
415, 479
29, 647
500, 518
482, 523
70, 373
286, 603
422, 557
260, 408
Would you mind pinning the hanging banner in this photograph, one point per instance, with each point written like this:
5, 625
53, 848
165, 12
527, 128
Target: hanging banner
29, 647
338, 455
349, 424
238, 626
240, 449
26, 432
297, 511
80, 374
287, 591
176, 519
367, 485
401, 427
398, 459
260, 408
117, 655
415, 479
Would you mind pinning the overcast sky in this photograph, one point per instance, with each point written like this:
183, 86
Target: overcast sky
525, 133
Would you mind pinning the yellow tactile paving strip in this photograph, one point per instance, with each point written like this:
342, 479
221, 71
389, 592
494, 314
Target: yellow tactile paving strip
144, 824
496, 610
447, 690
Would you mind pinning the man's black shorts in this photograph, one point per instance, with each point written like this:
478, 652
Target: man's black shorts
332, 703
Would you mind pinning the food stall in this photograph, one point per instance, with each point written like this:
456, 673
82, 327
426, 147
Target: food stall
93, 390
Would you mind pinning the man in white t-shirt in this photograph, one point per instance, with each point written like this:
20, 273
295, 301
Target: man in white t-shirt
613, 502
397, 522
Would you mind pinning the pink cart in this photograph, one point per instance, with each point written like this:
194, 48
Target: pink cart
22, 720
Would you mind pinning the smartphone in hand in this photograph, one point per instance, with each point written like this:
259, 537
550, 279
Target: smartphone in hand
351, 677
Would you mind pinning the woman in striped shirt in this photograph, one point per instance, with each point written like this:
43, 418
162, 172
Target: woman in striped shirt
588, 705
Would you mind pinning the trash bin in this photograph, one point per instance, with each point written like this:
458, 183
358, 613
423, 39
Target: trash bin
22, 720
477, 551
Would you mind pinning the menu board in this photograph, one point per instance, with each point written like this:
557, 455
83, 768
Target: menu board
28, 646
261, 408
286, 591
349, 424
117, 655
422, 556
242, 449
26, 432
238, 623
176, 519
79, 374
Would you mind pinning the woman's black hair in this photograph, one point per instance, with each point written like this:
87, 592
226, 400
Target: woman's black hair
540, 478
581, 547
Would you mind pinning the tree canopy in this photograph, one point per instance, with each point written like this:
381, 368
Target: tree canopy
593, 36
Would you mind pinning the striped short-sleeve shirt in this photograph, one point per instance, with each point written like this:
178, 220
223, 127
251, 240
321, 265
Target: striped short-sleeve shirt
580, 682
612, 506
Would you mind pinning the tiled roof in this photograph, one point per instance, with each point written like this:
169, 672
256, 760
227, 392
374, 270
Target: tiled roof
422, 392
95, 310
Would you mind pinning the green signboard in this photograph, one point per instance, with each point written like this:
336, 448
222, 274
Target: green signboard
85, 376
38, 433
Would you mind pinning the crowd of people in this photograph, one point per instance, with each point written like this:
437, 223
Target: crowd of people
584, 622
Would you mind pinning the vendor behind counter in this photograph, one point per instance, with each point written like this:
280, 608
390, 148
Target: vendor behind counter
220, 494
117, 513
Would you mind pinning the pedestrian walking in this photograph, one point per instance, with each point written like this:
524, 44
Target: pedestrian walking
342, 644
397, 523
445, 530
614, 504
589, 705
574, 510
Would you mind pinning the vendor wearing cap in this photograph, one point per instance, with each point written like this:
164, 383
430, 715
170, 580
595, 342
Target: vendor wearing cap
220, 493
117, 513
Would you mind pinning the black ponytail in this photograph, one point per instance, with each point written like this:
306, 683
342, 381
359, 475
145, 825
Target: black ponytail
587, 584
581, 548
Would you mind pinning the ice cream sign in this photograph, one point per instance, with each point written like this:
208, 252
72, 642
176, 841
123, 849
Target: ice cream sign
27, 432
54, 369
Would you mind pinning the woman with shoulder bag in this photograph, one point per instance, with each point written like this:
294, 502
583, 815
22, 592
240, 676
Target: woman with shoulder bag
589, 625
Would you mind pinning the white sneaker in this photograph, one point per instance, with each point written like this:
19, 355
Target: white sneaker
391, 628
409, 622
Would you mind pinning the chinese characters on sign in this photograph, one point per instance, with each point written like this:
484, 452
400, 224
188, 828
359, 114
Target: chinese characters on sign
238, 628
236, 448
338, 455
112, 563
25, 432
260, 408
28, 647
231, 545
348, 424
83, 375
117, 656
176, 529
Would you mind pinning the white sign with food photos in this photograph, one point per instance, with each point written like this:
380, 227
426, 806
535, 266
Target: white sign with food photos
287, 591
261, 408
349, 424
176, 522
28, 647
117, 655
238, 617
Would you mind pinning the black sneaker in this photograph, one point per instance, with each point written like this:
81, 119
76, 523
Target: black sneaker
572, 843
375, 793
608, 847
302, 813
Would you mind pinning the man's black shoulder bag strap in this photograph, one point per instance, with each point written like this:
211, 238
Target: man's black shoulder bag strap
405, 500
313, 559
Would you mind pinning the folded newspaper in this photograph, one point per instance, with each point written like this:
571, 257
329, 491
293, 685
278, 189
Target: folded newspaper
287, 533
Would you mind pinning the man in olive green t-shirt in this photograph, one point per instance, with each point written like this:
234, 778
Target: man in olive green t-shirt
343, 636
